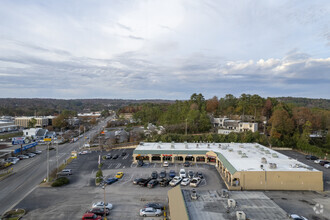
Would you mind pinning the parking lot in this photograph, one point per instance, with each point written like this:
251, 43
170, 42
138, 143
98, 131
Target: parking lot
71, 201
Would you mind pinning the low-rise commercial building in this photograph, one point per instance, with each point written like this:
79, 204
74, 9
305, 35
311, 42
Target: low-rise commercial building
24, 121
242, 166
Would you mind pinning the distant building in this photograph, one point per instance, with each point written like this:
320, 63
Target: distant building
226, 125
24, 121
7, 125
38, 134
90, 115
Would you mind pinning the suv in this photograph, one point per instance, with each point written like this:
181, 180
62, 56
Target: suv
144, 182
140, 163
65, 172
311, 157
154, 175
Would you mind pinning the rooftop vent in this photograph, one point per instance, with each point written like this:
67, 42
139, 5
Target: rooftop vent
263, 160
267, 151
141, 143
208, 145
158, 146
240, 215
274, 155
224, 147
197, 146
239, 152
231, 203
244, 155
241, 146
272, 165
160, 142
219, 146
256, 146
230, 149
186, 145
262, 149
172, 145
261, 166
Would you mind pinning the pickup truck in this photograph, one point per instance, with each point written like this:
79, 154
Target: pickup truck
65, 172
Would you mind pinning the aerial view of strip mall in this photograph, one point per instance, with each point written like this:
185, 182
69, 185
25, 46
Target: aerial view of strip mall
165, 110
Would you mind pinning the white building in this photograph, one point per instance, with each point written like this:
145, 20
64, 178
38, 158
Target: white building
226, 126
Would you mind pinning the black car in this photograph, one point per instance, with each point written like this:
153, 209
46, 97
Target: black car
191, 174
152, 183
123, 154
137, 181
99, 211
311, 157
144, 182
323, 162
140, 163
164, 182
115, 156
199, 174
186, 164
154, 175
162, 174
155, 206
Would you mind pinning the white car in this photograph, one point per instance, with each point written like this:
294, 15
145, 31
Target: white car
183, 173
185, 182
317, 161
165, 164
102, 205
13, 160
327, 165
150, 212
195, 181
175, 181
297, 217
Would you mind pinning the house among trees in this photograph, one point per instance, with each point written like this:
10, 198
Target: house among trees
226, 125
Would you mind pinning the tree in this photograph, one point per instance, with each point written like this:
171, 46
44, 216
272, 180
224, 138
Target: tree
60, 122
267, 110
105, 113
32, 123
256, 102
243, 103
212, 105
303, 142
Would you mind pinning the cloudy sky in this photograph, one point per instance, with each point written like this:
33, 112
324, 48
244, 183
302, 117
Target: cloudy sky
164, 49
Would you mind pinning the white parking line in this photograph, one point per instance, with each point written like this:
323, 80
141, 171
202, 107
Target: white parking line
109, 166
118, 165
133, 165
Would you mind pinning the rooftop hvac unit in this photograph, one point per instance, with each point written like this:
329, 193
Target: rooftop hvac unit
172, 145
262, 149
208, 145
230, 149
272, 165
275, 155
185, 142
244, 155
160, 142
267, 151
231, 203
239, 152
197, 146
158, 147
141, 143
224, 193
240, 215
263, 160
256, 146
224, 147
186, 145
219, 146
241, 146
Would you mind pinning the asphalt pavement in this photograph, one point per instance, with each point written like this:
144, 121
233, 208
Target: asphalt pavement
26, 177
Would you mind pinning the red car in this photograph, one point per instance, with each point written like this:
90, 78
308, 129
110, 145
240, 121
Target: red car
91, 216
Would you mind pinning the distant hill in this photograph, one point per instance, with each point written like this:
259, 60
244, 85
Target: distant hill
27, 107
306, 102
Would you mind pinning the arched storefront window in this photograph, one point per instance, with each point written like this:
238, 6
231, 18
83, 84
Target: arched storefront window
200, 159
155, 158
189, 158
178, 158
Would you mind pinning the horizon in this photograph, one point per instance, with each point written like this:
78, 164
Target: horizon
164, 50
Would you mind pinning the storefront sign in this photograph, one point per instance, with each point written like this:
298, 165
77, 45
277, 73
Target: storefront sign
167, 155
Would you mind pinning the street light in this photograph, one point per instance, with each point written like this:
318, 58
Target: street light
104, 211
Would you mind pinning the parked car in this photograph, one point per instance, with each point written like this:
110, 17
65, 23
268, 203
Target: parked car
162, 174
183, 173
144, 182
186, 164
172, 174
164, 182
199, 174
155, 206
102, 205
327, 165
185, 182
323, 162
191, 174
195, 181
136, 181
110, 181
115, 156
90, 215
140, 163
65, 172
311, 157
152, 183
123, 154
154, 175
36, 152
12, 160
193, 194
150, 212
108, 156
175, 181
317, 161
22, 156
297, 217
119, 175
165, 164
99, 211
30, 154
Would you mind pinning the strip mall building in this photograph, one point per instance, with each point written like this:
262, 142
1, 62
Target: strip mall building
242, 166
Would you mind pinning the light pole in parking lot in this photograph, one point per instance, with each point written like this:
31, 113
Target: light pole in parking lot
104, 211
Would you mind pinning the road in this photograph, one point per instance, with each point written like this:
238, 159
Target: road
29, 173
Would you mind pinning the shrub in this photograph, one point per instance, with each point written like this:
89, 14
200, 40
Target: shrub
99, 173
60, 182
98, 179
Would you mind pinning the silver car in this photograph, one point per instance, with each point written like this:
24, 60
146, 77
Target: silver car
150, 212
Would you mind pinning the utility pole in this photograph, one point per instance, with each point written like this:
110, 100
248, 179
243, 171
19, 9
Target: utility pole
186, 126
56, 158
48, 162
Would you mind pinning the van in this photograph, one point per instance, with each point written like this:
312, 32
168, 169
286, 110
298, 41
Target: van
65, 172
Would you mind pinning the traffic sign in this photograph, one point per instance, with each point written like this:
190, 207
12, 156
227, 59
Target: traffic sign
47, 139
